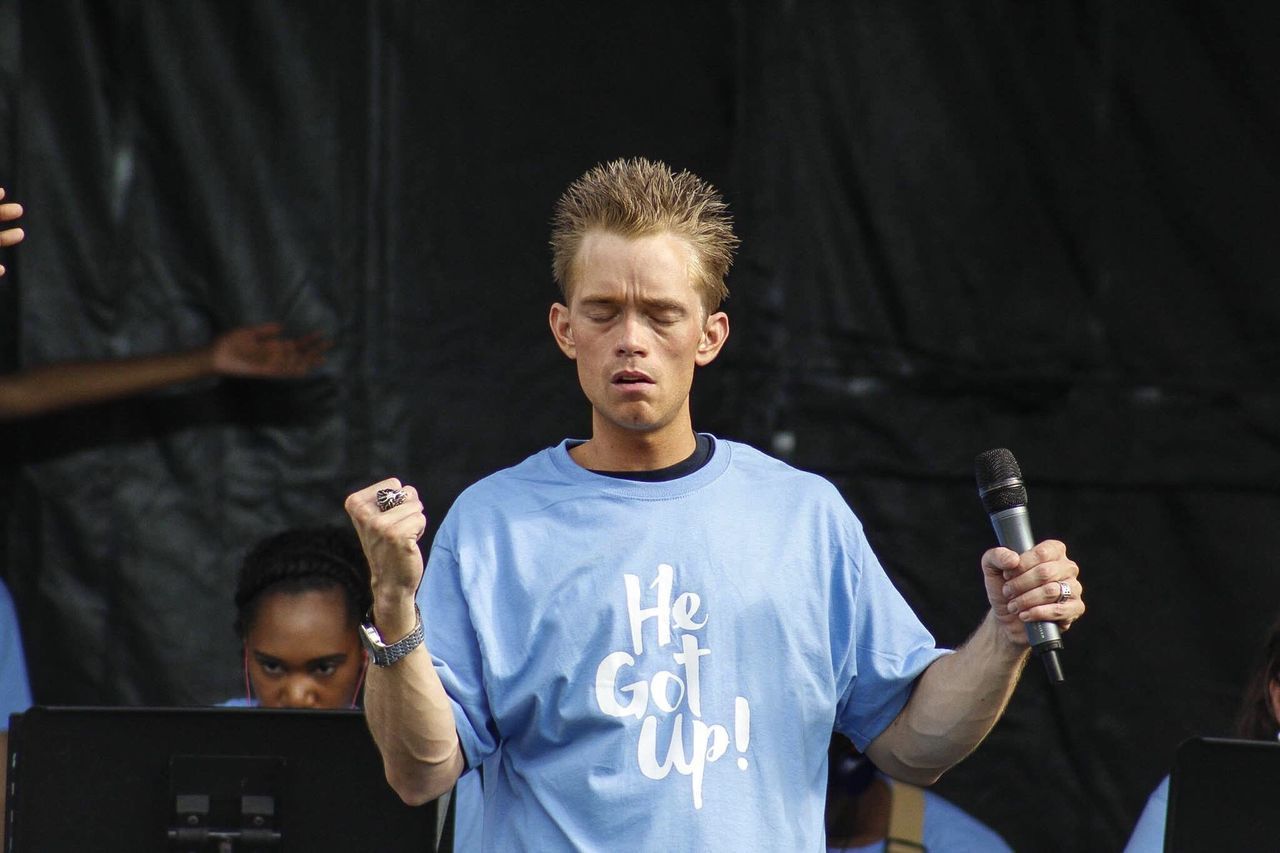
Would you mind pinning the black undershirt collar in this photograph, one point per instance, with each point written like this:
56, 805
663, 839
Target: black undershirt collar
701, 456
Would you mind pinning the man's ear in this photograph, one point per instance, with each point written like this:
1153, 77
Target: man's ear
562, 331
714, 333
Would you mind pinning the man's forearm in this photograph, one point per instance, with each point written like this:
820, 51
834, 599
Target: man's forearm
412, 723
956, 702
409, 713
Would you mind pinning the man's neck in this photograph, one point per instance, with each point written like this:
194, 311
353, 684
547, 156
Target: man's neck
614, 449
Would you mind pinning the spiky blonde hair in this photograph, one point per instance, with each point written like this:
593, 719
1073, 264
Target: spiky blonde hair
635, 198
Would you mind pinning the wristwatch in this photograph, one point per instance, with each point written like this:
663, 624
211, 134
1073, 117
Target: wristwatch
382, 654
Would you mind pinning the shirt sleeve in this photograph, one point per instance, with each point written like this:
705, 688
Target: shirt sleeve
884, 644
15, 690
455, 652
1148, 835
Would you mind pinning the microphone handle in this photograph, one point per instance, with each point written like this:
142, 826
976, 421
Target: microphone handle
1013, 531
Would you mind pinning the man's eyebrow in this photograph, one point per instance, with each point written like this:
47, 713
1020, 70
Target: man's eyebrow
598, 300
652, 304
664, 305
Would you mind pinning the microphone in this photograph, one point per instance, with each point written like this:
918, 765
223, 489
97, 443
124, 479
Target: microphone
1004, 497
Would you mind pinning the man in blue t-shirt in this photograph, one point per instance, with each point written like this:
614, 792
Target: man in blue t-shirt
646, 638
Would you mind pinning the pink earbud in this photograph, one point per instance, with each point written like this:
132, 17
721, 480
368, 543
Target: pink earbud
364, 667
248, 690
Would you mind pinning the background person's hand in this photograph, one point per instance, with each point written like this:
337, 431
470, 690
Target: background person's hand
8, 213
262, 352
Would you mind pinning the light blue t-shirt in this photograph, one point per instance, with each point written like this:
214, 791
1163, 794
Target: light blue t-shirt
662, 663
1148, 834
15, 689
947, 829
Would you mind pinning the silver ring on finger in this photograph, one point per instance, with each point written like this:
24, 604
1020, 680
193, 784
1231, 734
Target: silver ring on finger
1064, 591
390, 498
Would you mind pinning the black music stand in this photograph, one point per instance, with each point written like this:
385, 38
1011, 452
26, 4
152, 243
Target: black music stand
191, 780
1223, 797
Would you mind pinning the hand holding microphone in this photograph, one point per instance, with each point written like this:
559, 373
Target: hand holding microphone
1036, 586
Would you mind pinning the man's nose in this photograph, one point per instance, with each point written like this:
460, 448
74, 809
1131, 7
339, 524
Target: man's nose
632, 335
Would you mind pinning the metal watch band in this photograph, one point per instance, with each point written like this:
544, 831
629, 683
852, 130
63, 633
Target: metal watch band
385, 655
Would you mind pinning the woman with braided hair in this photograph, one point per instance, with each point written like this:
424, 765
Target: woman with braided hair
300, 597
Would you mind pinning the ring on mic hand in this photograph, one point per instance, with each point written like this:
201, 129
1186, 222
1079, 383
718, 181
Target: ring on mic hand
391, 498
1063, 587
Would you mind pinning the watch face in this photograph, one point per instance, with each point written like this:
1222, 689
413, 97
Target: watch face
370, 637
372, 642
385, 655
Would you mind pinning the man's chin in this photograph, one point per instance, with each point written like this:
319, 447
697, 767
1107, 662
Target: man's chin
641, 425
634, 418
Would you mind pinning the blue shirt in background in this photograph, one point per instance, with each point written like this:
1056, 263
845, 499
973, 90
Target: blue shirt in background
15, 689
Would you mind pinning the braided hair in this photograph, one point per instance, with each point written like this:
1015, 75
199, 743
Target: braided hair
300, 560
1256, 720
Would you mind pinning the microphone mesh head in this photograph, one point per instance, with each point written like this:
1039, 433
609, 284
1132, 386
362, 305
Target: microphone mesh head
999, 480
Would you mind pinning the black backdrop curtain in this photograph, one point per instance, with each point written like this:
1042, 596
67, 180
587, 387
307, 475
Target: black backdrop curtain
1044, 226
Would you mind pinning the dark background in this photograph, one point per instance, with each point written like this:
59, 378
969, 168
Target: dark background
1048, 226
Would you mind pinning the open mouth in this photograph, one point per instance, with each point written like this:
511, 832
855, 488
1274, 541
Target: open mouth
632, 379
